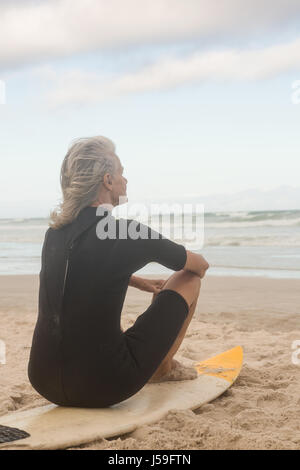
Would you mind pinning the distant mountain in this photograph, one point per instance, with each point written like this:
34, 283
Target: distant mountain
282, 198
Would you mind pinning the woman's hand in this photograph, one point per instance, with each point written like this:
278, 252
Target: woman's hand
147, 285
204, 267
153, 285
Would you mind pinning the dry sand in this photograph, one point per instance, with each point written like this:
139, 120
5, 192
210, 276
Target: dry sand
260, 411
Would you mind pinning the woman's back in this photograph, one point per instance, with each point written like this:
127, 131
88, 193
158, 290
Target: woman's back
79, 355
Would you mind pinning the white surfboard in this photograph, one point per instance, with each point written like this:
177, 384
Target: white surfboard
56, 427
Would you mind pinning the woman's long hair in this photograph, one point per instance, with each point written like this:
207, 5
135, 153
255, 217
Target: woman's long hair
82, 171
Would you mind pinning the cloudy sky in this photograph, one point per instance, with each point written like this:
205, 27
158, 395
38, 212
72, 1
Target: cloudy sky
201, 97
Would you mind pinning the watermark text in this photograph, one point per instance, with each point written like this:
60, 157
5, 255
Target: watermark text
2, 92
296, 93
296, 352
180, 222
2, 352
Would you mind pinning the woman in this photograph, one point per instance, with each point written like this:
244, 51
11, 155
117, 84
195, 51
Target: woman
80, 356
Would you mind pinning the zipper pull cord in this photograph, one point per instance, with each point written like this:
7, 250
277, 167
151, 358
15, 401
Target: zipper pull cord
67, 265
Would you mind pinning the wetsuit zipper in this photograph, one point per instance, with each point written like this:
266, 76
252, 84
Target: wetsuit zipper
61, 323
67, 267
61, 333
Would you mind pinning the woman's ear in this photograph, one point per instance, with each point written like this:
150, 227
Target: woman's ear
107, 179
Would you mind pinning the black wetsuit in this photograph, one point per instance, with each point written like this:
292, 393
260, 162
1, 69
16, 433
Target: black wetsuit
79, 355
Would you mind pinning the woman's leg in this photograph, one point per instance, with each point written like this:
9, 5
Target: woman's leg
188, 285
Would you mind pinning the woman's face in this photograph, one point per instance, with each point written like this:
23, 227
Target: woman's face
119, 185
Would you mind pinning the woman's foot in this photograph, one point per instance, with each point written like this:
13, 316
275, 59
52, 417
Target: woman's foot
177, 372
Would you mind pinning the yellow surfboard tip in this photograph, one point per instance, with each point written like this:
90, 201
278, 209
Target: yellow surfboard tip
226, 365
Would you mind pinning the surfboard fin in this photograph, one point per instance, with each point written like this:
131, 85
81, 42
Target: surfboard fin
8, 434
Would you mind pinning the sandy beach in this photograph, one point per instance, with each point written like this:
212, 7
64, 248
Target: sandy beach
260, 411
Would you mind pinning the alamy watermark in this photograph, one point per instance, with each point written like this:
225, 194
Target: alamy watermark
296, 352
2, 92
180, 222
2, 352
296, 93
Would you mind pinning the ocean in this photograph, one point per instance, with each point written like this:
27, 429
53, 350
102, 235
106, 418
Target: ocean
250, 243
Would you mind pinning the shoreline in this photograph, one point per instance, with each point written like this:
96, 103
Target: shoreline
260, 411
236, 272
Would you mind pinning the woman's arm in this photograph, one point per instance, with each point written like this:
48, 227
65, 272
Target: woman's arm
148, 285
196, 264
135, 281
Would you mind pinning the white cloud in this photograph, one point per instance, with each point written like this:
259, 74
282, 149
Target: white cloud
76, 86
35, 31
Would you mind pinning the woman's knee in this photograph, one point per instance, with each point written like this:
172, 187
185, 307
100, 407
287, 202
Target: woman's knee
185, 283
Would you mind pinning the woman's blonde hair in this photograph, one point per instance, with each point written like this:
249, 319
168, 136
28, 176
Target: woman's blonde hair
82, 171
